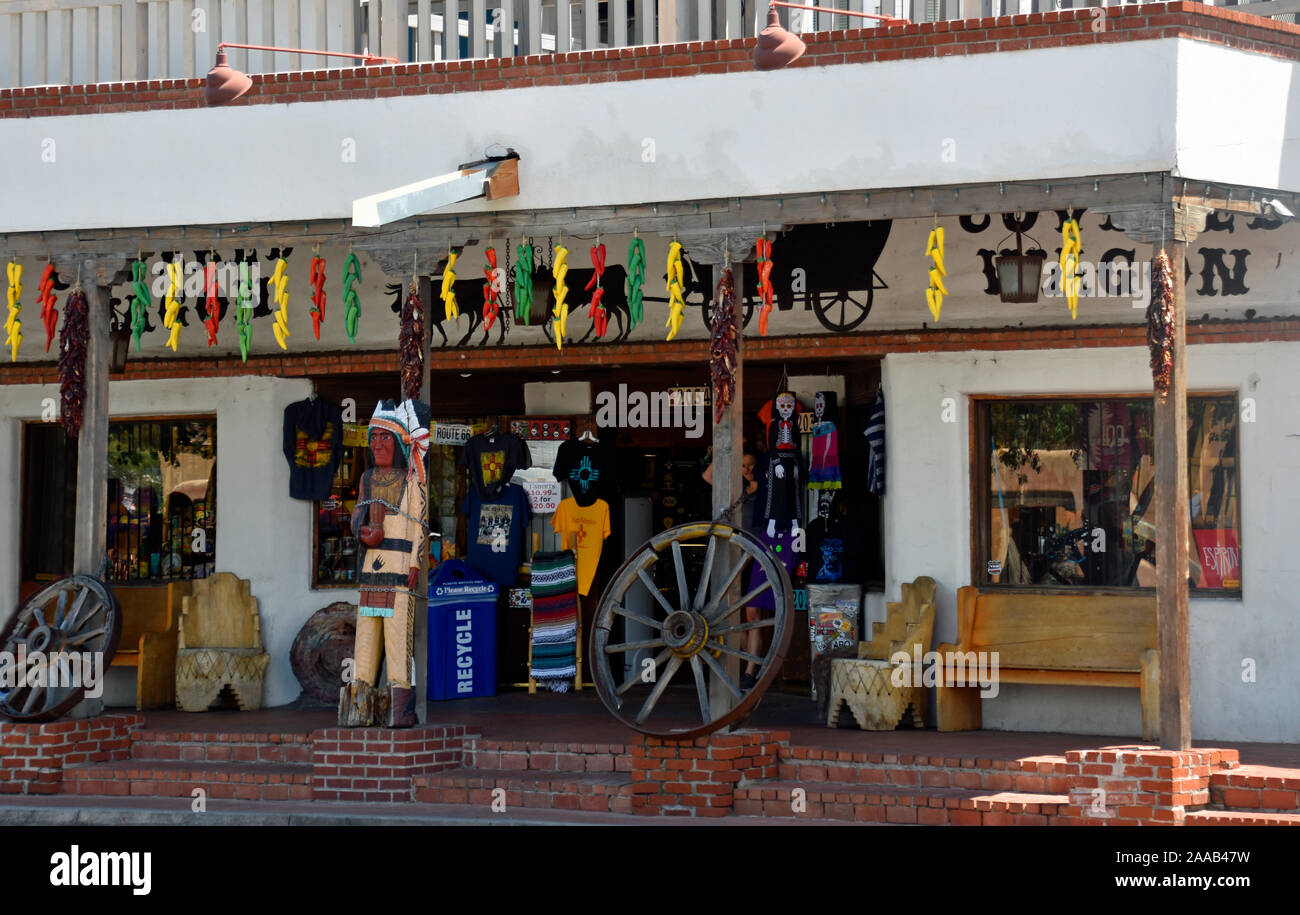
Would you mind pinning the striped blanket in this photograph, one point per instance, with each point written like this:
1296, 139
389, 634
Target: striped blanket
555, 620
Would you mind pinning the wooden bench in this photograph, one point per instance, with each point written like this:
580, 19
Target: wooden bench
1059, 639
150, 615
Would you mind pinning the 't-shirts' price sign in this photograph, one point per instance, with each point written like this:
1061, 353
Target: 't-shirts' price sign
543, 497
451, 434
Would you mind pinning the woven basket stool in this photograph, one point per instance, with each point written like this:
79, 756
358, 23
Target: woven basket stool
866, 686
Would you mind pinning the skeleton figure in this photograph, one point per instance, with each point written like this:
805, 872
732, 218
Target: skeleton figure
783, 427
785, 474
824, 466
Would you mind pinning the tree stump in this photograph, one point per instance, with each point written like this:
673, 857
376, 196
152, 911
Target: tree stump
319, 650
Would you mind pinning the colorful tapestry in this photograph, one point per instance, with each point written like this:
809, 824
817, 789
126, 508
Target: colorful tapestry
555, 620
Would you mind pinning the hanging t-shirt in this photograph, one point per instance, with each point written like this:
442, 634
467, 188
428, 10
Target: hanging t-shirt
313, 438
492, 460
591, 525
588, 468
496, 533
828, 546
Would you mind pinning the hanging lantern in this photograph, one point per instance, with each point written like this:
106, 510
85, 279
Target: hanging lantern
1020, 274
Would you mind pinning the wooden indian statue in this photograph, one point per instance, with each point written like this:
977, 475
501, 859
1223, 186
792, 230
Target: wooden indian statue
390, 521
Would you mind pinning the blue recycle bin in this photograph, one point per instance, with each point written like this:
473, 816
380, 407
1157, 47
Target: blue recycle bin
462, 633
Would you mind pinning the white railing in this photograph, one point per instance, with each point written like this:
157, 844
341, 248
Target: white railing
45, 42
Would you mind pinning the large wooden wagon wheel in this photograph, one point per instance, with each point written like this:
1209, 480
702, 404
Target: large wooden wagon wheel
53, 631
687, 629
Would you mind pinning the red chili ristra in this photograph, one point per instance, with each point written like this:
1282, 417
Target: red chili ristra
723, 345
73, 340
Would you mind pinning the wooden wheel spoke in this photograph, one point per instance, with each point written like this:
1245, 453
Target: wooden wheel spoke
743, 602
743, 655
673, 664
61, 608
654, 591
636, 677
744, 627
82, 636
40, 619
638, 618
701, 688
702, 591
721, 674
722, 591
76, 608
632, 646
32, 693
683, 593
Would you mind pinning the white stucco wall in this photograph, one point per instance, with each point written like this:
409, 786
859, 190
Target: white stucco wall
918, 122
262, 534
927, 524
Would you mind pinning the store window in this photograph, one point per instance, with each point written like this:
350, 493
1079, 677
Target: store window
1070, 500
161, 512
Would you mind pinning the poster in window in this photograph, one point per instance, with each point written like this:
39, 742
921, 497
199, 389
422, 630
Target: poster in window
1220, 558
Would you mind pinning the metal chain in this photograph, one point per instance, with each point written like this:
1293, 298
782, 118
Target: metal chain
396, 511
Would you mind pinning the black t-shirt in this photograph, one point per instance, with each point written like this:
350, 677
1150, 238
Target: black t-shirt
492, 460
313, 439
830, 543
588, 468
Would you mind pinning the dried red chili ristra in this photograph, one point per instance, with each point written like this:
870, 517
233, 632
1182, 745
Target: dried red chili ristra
73, 340
411, 344
722, 345
1160, 325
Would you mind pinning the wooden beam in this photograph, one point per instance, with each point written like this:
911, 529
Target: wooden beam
1172, 524
731, 213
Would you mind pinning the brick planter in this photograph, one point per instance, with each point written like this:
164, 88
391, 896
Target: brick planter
33, 756
699, 777
1139, 786
379, 764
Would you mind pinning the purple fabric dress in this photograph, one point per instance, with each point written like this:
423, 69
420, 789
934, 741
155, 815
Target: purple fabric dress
780, 545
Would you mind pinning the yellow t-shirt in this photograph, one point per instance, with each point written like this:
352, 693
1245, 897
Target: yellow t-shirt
591, 525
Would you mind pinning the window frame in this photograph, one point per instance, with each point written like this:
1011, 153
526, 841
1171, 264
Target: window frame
981, 498
143, 418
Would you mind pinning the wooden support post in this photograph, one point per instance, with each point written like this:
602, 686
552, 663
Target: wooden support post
728, 483
421, 646
1172, 522
1171, 227
91, 529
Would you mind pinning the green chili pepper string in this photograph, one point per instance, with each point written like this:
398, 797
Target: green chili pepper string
524, 283
351, 300
635, 280
243, 307
139, 271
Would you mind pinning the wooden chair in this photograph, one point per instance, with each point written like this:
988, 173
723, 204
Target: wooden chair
150, 616
1062, 639
220, 645
866, 684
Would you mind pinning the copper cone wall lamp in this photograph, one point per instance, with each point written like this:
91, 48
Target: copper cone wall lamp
778, 48
225, 84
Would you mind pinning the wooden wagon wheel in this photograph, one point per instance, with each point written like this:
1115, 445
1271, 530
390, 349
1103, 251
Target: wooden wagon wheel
689, 631
75, 615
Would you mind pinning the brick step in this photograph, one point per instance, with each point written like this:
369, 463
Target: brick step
1257, 788
193, 746
1031, 774
897, 804
1241, 818
547, 756
143, 778
610, 792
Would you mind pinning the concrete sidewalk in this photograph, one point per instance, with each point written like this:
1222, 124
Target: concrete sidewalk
60, 810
